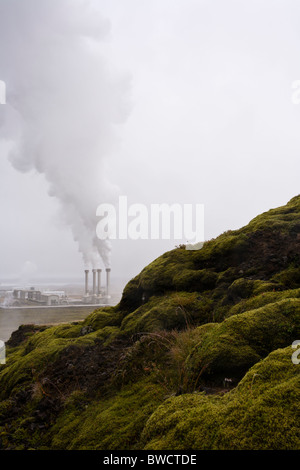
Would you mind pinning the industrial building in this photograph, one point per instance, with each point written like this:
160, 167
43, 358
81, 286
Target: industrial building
95, 295
41, 298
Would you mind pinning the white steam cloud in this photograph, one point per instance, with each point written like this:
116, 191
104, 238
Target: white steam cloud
64, 101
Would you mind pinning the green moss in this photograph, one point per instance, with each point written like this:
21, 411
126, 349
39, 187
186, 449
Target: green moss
100, 318
245, 288
227, 244
262, 299
195, 280
260, 287
174, 311
261, 413
37, 353
132, 296
108, 334
68, 331
241, 288
109, 424
289, 278
283, 218
233, 346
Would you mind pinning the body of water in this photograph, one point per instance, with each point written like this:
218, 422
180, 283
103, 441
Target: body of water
12, 318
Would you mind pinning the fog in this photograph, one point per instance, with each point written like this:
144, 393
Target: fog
162, 101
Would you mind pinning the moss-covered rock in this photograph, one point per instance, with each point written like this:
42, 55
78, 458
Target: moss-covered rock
115, 423
267, 246
150, 372
261, 413
231, 347
171, 311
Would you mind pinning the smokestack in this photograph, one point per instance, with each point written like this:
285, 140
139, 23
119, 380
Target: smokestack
99, 281
107, 280
86, 281
94, 282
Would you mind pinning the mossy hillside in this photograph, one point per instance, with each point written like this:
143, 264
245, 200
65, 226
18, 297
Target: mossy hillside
286, 218
259, 258
102, 317
187, 321
37, 351
197, 358
21, 427
177, 310
83, 423
242, 288
162, 356
229, 348
261, 413
34, 347
115, 423
261, 300
41, 349
161, 374
290, 277
267, 246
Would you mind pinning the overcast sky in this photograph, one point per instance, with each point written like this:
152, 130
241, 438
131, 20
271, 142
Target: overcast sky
190, 101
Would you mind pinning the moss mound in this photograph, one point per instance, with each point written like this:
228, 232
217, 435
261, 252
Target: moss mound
115, 423
261, 413
267, 249
231, 347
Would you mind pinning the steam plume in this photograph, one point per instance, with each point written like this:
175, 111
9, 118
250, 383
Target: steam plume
63, 104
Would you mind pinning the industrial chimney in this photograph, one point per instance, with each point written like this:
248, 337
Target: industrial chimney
99, 281
94, 271
107, 281
86, 281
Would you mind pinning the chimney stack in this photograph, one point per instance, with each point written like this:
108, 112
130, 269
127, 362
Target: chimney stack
107, 281
99, 281
86, 281
94, 271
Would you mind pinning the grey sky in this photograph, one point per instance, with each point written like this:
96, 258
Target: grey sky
208, 118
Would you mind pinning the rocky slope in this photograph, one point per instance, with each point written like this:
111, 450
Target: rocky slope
197, 355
